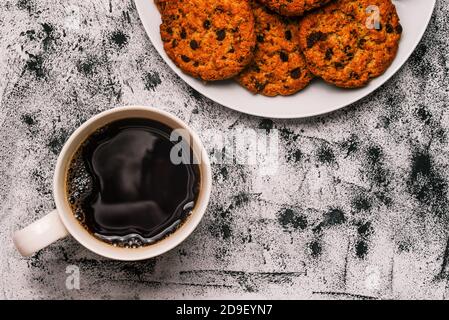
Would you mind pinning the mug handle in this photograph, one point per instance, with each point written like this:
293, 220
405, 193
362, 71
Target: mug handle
40, 234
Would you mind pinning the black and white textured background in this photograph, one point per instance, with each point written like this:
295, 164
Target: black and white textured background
359, 208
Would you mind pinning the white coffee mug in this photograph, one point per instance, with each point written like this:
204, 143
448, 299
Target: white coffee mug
62, 222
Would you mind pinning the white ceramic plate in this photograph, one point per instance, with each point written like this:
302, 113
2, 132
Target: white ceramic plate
318, 98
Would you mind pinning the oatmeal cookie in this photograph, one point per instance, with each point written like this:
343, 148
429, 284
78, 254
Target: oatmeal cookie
278, 67
209, 39
350, 42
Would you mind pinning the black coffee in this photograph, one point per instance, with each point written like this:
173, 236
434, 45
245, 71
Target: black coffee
124, 188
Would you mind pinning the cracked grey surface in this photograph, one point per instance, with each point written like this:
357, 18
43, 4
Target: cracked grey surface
358, 209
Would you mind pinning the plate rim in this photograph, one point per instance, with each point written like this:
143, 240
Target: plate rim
185, 78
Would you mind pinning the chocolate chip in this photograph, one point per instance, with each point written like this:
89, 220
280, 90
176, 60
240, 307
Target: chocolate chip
399, 29
329, 54
194, 44
295, 73
288, 35
315, 37
348, 52
354, 75
361, 43
338, 65
183, 34
260, 38
389, 28
284, 56
260, 86
185, 58
206, 24
221, 34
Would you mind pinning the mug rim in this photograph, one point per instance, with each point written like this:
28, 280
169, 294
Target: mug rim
102, 248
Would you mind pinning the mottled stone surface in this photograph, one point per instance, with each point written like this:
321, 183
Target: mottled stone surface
358, 209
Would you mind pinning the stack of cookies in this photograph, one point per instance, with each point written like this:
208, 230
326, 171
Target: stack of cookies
276, 47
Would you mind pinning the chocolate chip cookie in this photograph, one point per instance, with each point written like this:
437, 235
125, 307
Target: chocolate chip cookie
209, 39
278, 67
293, 7
350, 42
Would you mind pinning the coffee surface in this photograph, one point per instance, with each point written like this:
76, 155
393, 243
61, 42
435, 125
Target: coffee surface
125, 189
